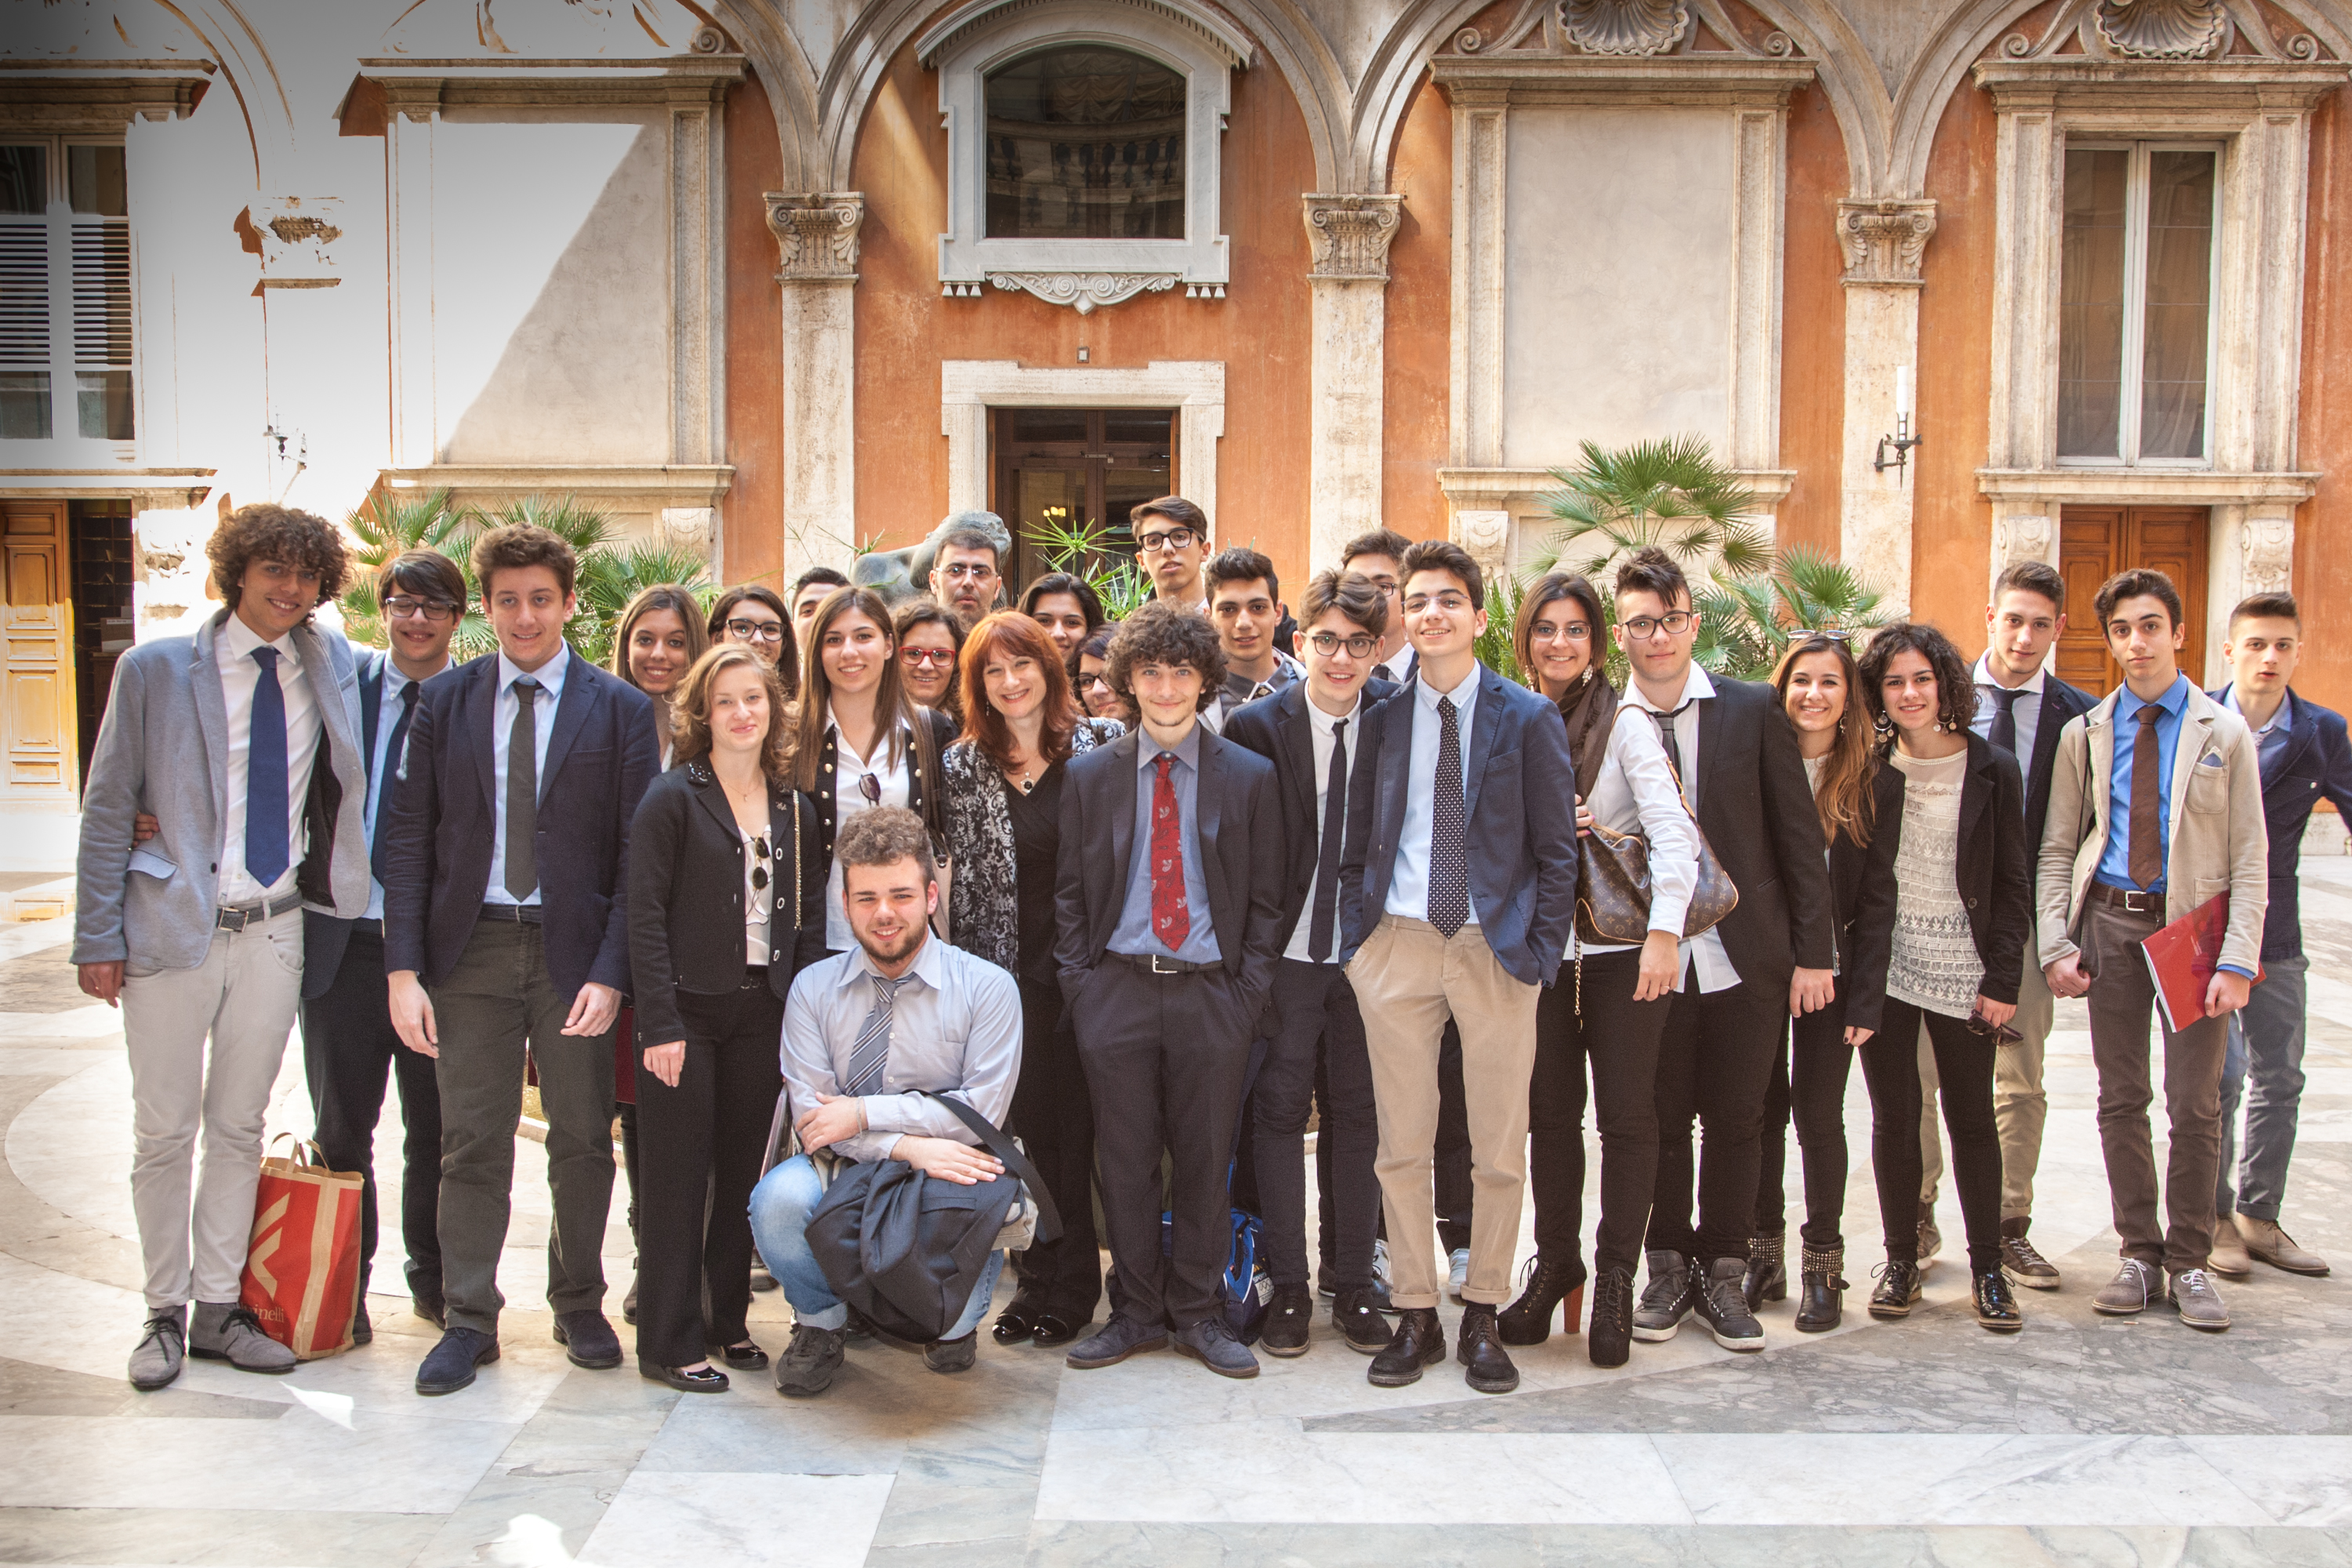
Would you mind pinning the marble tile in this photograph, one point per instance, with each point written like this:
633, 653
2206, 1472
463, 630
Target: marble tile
215, 1538
301, 1461
2300, 1481
49, 1060
27, 1389
94, 1023
812, 1521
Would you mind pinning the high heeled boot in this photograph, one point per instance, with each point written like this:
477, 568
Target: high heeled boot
1768, 1269
1550, 1282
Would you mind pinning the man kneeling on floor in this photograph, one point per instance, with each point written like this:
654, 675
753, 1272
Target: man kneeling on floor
866, 1032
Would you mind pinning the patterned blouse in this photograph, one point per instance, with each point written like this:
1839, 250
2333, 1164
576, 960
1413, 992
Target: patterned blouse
1933, 963
983, 898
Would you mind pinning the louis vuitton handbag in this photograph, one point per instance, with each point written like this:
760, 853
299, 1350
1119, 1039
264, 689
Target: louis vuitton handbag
1613, 891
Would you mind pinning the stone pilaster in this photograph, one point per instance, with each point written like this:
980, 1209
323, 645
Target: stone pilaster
1348, 285
1884, 242
816, 244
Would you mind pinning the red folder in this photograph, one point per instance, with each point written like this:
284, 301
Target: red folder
2182, 957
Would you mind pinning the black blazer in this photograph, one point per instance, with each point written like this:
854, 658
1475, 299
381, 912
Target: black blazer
601, 754
2060, 703
1278, 727
2317, 762
1240, 829
1991, 876
926, 797
1759, 816
325, 937
684, 852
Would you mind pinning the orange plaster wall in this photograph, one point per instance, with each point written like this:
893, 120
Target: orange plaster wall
1416, 345
2323, 567
1812, 334
1952, 531
753, 547
904, 330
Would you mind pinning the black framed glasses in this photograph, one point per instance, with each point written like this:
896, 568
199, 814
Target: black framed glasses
1329, 643
756, 631
401, 606
1164, 539
1673, 623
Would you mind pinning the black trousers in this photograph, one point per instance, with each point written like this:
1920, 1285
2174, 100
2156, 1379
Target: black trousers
1053, 1117
1454, 1195
1715, 1060
349, 1048
1318, 1026
1808, 1080
704, 1140
1165, 1058
1890, 1066
1619, 1036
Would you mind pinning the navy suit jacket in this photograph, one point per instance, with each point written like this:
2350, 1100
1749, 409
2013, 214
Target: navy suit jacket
2061, 703
601, 755
1522, 802
1277, 727
323, 936
2317, 762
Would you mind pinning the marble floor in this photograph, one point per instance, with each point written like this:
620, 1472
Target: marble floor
2082, 1440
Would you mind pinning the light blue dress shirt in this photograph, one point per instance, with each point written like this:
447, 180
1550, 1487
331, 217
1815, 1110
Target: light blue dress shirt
1134, 933
549, 677
381, 767
2115, 864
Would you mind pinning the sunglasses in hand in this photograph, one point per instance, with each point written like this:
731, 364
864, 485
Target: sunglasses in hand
1998, 1034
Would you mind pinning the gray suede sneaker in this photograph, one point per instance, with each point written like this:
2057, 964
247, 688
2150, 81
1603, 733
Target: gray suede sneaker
162, 1346
2198, 1303
229, 1332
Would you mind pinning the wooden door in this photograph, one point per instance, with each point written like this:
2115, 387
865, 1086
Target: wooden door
1078, 467
37, 709
2095, 542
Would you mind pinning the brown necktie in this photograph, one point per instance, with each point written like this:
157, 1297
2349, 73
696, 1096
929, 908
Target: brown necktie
2147, 828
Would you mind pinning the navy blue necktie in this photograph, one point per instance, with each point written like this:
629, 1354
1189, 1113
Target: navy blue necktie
1327, 862
2002, 731
1449, 865
266, 852
395, 751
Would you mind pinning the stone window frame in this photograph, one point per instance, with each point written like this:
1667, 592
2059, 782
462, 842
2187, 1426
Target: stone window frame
1085, 274
969, 388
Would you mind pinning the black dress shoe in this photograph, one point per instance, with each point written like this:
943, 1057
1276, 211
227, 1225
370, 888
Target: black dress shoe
1353, 1314
449, 1365
1996, 1303
1487, 1364
1287, 1321
1013, 1327
363, 1331
743, 1357
702, 1380
1052, 1329
1418, 1341
1552, 1283
1611, 1337
1898, 1288
588, 1339
951, 1355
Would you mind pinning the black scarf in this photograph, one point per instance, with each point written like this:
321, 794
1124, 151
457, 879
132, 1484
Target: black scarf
1590, 710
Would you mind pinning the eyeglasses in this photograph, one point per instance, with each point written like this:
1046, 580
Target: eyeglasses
1329, 643
942, 657
401, 606
760, 871
1673, 623
1168, 539
968, 571
756, 631
1548, 631
1088, 682
1452, 599
871, 788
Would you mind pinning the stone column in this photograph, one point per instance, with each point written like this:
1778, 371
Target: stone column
1348, 281
817, 240
1883, 241
2249, 549
413, 109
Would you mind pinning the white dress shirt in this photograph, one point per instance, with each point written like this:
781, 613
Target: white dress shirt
1634, 792
239, 675
1322, 737
1705, 952
2027, 710
757, 901
549, 677
849, 801
1408, 883
384, 767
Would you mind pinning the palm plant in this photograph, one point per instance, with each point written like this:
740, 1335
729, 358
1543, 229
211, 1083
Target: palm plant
610, 577
1493, 645
1671, 493
1748, 623
1089, 552
387, 526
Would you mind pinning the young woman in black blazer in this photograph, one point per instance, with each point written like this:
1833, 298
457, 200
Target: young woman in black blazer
1818, 684
1940, 940
726, 906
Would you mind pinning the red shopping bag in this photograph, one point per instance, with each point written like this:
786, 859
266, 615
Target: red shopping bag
302, 1267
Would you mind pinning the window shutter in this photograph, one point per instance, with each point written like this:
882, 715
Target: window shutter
24, 295
101, 293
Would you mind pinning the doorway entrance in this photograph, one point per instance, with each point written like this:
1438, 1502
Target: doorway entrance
1059, 469
2095, 542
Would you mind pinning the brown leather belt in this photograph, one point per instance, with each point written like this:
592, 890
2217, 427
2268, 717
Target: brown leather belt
2130, 901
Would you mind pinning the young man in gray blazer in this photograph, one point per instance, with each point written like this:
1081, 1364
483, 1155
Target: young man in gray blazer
242, 742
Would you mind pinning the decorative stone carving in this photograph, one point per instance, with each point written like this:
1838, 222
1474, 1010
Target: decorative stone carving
1085, 292
816, 233
1487, 535
1885, 240
296, 234
2162, 29
690, 526
1625, 26
2020, 537
2266, 550
1350, 235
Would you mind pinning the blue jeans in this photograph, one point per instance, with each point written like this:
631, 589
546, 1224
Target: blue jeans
781, 1206
2265, 1045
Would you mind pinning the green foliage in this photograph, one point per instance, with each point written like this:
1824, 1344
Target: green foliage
1751, 621
1090, 551
1493, 645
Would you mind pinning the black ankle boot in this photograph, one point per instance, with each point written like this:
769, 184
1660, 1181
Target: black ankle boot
1610, 1337
1822, 1305
1550, 1281
1768, 1269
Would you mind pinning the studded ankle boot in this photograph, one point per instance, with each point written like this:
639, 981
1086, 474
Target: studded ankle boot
1821, 1305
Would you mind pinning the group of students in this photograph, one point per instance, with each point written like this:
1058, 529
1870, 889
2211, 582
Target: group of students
1153, 895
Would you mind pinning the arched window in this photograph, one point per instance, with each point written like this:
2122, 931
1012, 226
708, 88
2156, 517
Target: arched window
1086, 143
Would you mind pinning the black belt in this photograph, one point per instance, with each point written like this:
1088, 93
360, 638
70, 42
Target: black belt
373, 928
1155, 964
2131, 900
241, 916
513, 914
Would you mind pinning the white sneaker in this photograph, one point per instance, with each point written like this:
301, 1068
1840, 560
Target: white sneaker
1457, 1272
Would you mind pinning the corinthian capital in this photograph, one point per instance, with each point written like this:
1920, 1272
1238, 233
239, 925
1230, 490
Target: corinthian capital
1884, 239
816, 233
1350, 235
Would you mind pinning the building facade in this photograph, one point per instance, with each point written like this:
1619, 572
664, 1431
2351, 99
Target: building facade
786, 280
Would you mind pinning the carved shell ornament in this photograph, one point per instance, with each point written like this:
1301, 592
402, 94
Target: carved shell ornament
1625, 26
2162, 29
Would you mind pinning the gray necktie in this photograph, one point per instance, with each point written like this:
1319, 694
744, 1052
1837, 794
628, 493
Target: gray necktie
1667, 738
872, 1052
522, 792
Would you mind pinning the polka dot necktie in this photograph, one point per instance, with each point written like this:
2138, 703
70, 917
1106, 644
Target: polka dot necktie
1449, 863
1171, 920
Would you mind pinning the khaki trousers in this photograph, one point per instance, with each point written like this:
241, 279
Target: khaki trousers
2018, 1104
1408, 980
240, 1002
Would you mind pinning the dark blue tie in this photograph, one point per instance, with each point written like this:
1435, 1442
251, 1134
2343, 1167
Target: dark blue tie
266, 852
395, 751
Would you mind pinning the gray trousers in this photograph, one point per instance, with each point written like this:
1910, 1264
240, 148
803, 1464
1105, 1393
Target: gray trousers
2265, 1045
497, 999
241, 1000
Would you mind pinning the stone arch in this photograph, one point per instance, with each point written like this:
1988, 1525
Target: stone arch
783, 70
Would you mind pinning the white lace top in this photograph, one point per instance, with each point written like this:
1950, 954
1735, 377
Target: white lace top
1933, 963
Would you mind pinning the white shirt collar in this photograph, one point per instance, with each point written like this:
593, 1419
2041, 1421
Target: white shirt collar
396, 680
1325, 723
1696, 684
1463, 694
241, 640
1985, 676
841, 745
926, 966
549, 675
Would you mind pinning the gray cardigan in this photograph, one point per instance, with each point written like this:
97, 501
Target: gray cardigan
984, 903
163, 749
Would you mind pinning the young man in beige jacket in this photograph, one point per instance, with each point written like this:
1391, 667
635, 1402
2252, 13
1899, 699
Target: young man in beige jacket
2155, 807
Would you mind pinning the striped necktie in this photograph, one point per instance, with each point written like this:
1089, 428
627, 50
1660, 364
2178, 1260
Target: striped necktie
872, 1051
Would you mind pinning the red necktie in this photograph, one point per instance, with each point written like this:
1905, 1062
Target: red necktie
1169, 919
